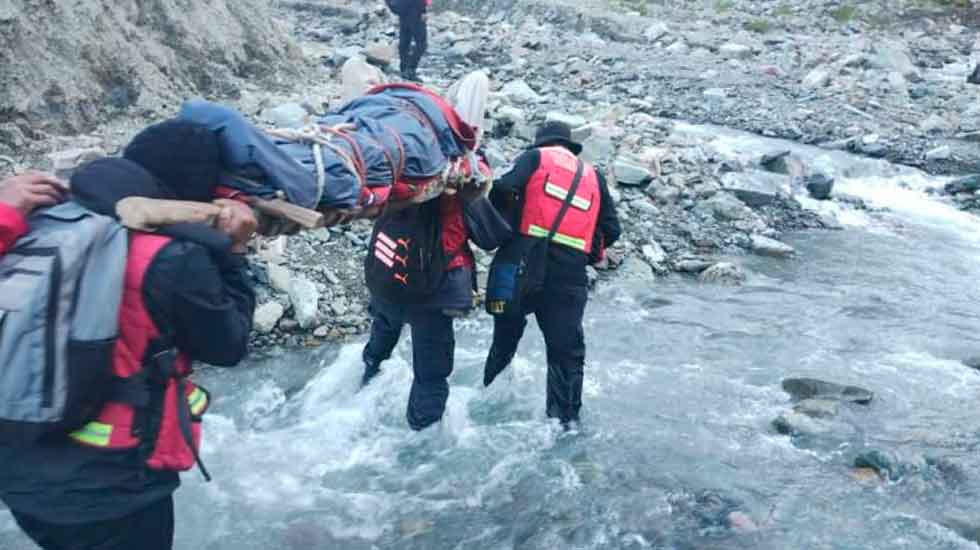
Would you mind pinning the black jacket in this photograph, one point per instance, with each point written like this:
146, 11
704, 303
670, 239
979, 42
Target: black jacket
205, 297
566, 266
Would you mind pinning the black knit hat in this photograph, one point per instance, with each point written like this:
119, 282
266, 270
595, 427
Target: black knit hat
99, 184
185, 157
556, 133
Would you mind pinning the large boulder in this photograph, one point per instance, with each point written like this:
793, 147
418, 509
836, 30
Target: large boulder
358, 76
631, 174
820, 186
69, 66
755, 188
723, 273
725, 207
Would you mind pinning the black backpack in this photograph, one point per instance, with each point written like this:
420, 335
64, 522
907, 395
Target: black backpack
406, 262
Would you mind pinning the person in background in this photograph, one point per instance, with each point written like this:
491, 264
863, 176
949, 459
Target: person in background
19, 197
413, 34
533, 192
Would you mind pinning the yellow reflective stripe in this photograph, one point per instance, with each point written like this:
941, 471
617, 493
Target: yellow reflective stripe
560, 238
198, 401
93, 433
560, 194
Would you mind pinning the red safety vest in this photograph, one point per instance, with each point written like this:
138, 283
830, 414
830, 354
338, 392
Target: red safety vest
545, 193
152, 405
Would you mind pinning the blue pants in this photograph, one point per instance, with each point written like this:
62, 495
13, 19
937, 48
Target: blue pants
433, 346
559, 312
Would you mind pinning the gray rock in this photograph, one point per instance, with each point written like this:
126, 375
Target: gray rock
64, 162
322, 331
892, 56
678, 48
943, 152
934, 123
598, 149
820, 186
970, 118
818, 408
968, 184
381, 53
725, 207
287, 115
511, 114
306, 300
692, 265
645, 208
656, 31
341, 55
783, 162
635, 269
809, 388
770, 247
267, 316
885, 464
280, 277
654, 253
630, 174
756, 188
817, 78
520, 92
974, 77
735, 51
573, 121
723, 273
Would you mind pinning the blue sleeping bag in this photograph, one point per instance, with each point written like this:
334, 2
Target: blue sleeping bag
396, 134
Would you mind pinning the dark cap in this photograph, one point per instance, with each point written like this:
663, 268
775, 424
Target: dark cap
556, 133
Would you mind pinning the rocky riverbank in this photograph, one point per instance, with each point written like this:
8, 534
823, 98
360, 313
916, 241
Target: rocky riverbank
890, 84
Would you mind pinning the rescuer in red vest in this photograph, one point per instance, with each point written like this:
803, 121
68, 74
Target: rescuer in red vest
534, 191
186, 297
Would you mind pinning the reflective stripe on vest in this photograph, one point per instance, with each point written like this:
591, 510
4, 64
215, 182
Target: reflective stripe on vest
95, 434
567, 240
99, 434
198, 400
560, 194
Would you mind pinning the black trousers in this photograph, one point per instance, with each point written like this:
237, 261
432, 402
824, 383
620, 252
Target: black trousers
149, 529
559, 312
433, 346
413, 39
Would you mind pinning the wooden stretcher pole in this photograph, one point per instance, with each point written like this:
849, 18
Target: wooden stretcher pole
278, 208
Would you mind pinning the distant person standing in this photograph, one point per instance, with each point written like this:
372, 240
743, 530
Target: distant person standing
413, 34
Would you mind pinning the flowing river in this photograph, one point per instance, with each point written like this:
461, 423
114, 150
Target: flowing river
676, 450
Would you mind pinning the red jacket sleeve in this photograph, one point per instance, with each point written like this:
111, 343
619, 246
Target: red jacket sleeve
12, 226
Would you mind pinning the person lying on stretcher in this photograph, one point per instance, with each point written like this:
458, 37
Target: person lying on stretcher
397, 144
